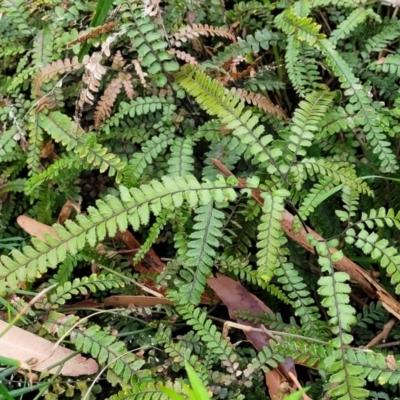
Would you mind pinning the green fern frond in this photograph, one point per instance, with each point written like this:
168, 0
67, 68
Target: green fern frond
133, 207
150, 46
82, 286
152, 235
315, 196
105, 348
390, 64
60, 128
356, 17
208, 332
199, 257
140, 160
351, 200
181, 160
142, 391
42, 48
305, 120
304, 28
340, 172
307, 30
270, 234
35, 144
379, 249
7, 143
301, 66
216, 100
303, 303
55, 171
389, 33
138, 107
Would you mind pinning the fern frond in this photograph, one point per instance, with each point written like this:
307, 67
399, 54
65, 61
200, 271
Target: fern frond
7, 143
133, 207
229, 108
92, 77
105, 348
150, 46
260, 102
194, 31
60, 128
315, 196
270, 234
188, 58
379, 249
199, 257
356, 17
81, 286
142, 391
303, 303
340, 172
390, 32
55, 68
35, 144
181, 159
301, 66
66, 163
306, 119
107, 100
137, 107
133, 172
208, 332
351, 200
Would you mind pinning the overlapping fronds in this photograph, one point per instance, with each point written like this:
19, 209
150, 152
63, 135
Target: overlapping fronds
214, 98
354, 19
208, 332
61, 129
132, 208
307, 30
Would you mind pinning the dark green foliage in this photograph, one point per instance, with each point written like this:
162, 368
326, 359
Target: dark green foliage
297, 100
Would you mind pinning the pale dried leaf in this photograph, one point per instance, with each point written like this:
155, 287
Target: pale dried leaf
23, 346
35, 228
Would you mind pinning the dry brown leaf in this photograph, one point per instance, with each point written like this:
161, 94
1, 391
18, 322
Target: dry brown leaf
23, 346
137, 301
66, 211
237, 298
35, 228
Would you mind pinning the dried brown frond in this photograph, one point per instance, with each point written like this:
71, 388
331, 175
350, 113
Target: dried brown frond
103, 108
151, 8
126, 80
142, 75
188, 58
162, 92
118, 61
260, 101
56, 67
194, 31
93, 33
94, 72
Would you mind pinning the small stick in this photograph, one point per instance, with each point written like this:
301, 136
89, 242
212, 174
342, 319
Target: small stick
383, 335
298, 385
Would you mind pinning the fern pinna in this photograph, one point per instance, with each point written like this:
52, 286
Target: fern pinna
296, 104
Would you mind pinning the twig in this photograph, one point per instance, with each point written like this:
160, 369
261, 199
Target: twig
386, 345
382, 335
297, 383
